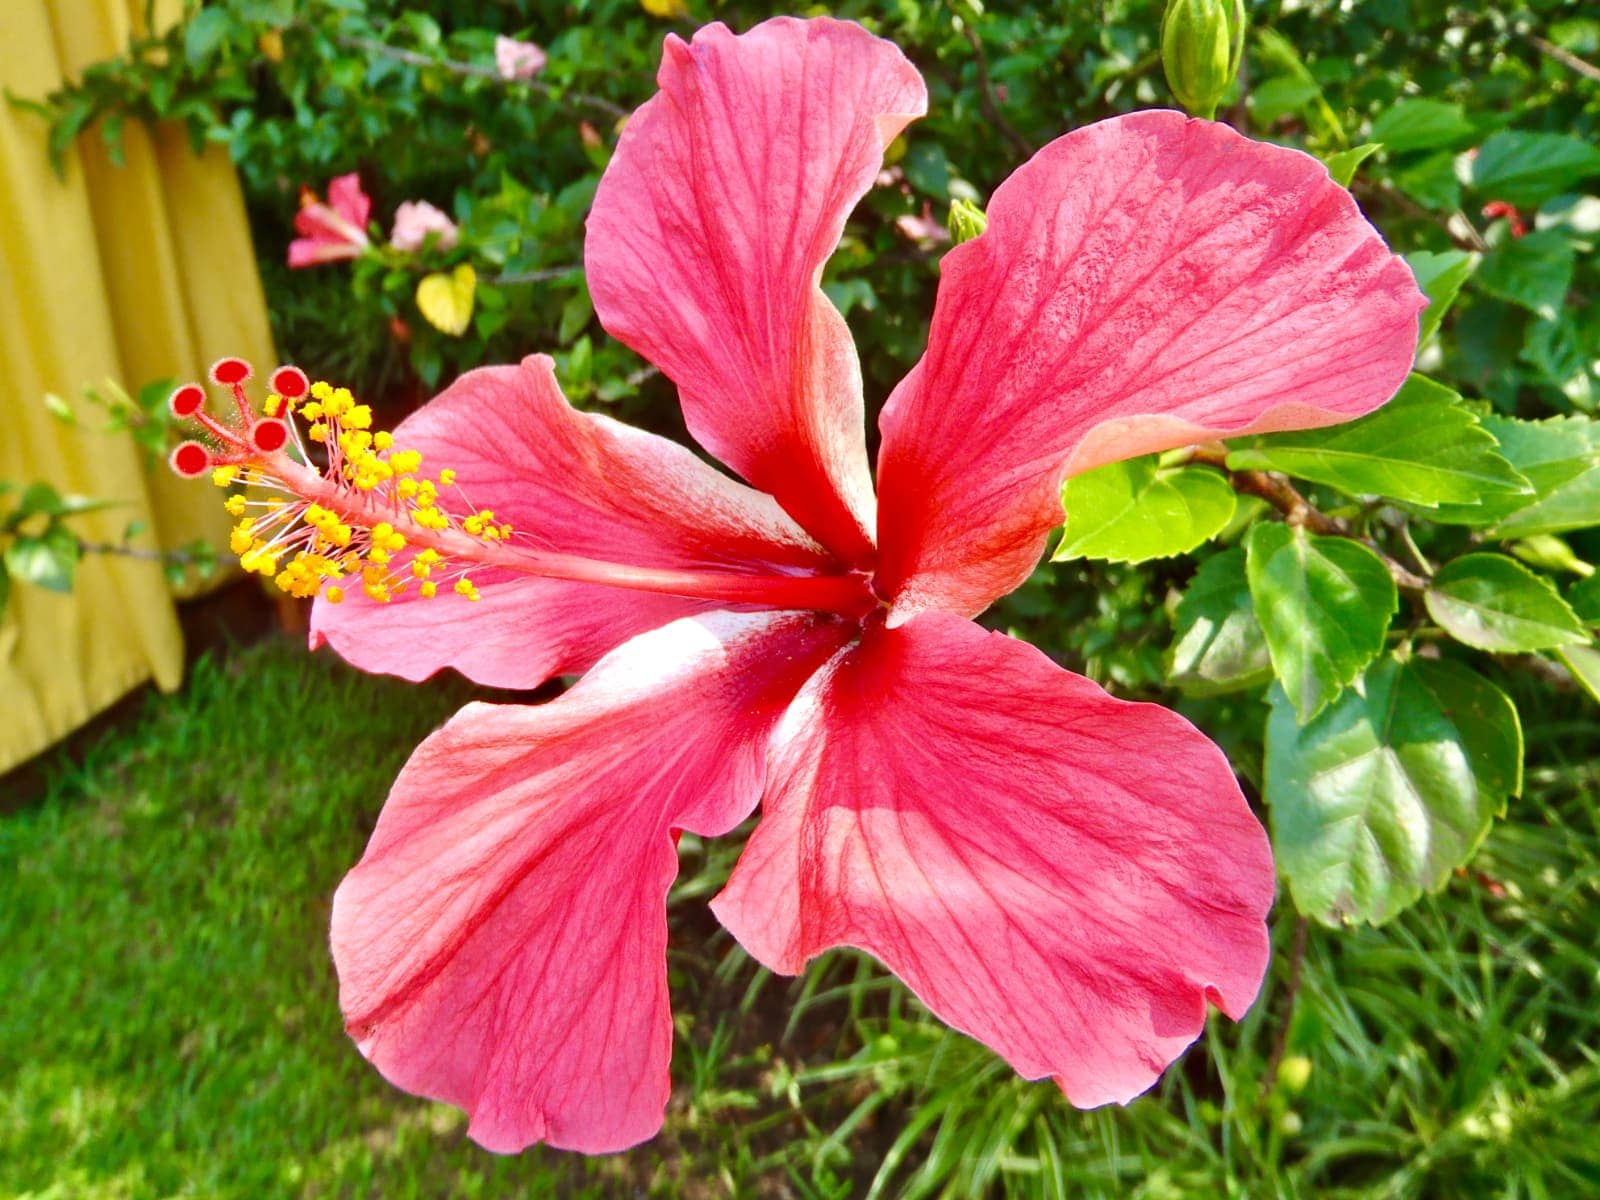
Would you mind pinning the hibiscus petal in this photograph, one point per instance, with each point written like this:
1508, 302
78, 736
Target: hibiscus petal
1145, 282
1064, 876
501, 945
726, 195
573, 482
350, 202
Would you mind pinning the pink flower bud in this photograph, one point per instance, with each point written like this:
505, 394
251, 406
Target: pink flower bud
517, 60
414, 220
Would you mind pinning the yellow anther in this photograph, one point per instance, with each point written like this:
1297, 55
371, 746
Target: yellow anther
505, 531
321, 390
405, 462
318, 431
334, 595
430, 518
312, 411
223, 476
235, 506
465, 587
383, 440
273, 403
429, 590
359, 417
447, 478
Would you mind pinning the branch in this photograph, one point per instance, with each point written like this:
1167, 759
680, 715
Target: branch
457, 67
1296, 510
1565, 57
1297, 958
986, 96
164, 556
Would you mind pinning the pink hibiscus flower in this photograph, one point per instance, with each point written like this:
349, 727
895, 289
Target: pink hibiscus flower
1067, 877
332, 231
414, 220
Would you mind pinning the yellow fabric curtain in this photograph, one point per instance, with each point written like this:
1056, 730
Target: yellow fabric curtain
131, 274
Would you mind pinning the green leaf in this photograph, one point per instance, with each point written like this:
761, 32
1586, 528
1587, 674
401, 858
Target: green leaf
1561, 459
1218, 645
1324, 605
43, 498
1432, 182
1342, 166
1422, 125
1424, 447
1132, 511
47, 560
206, 30
1526, 169
1534, 271
1389, 790
1585, 599
1584, 663
1440, 276
1495, 603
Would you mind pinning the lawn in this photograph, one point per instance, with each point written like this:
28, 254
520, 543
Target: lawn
171, 1026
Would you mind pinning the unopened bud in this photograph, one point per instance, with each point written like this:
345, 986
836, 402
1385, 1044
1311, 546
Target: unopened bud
1201, 43
966, 221
1294, 1072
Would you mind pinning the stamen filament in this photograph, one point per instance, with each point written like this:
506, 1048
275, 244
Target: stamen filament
846, 594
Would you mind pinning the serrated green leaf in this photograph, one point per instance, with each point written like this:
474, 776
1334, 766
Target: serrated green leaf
46, 560
1440, 276
1422, 125
1534, 271
1342, 166
1390, 789
1424, 447
1324, 605
1132, 511
1558, 457
1218, 645
1526, 169
1493, 602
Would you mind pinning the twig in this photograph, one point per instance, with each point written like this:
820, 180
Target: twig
986, 96
1464, 234
457, 67
166, 556
1280, 1044
545, 275
1565, 57
1296, 510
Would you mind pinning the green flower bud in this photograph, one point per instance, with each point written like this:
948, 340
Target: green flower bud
1294, 1072
1201, 43
966, 221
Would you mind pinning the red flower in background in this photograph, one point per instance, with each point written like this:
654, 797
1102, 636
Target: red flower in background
332, 231
1065, 876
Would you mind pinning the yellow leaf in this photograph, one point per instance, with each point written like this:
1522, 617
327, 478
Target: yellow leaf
446, 300
669, 10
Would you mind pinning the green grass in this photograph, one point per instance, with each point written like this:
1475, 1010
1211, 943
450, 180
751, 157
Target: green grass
169, 1025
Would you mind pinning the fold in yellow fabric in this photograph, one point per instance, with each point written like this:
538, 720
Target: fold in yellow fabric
131, 274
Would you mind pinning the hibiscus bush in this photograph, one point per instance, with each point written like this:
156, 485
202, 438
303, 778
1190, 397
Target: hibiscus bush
1306, 391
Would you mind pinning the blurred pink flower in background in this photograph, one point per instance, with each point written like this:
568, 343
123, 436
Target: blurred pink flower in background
517, 60
922, 228
332, 231
414, 220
